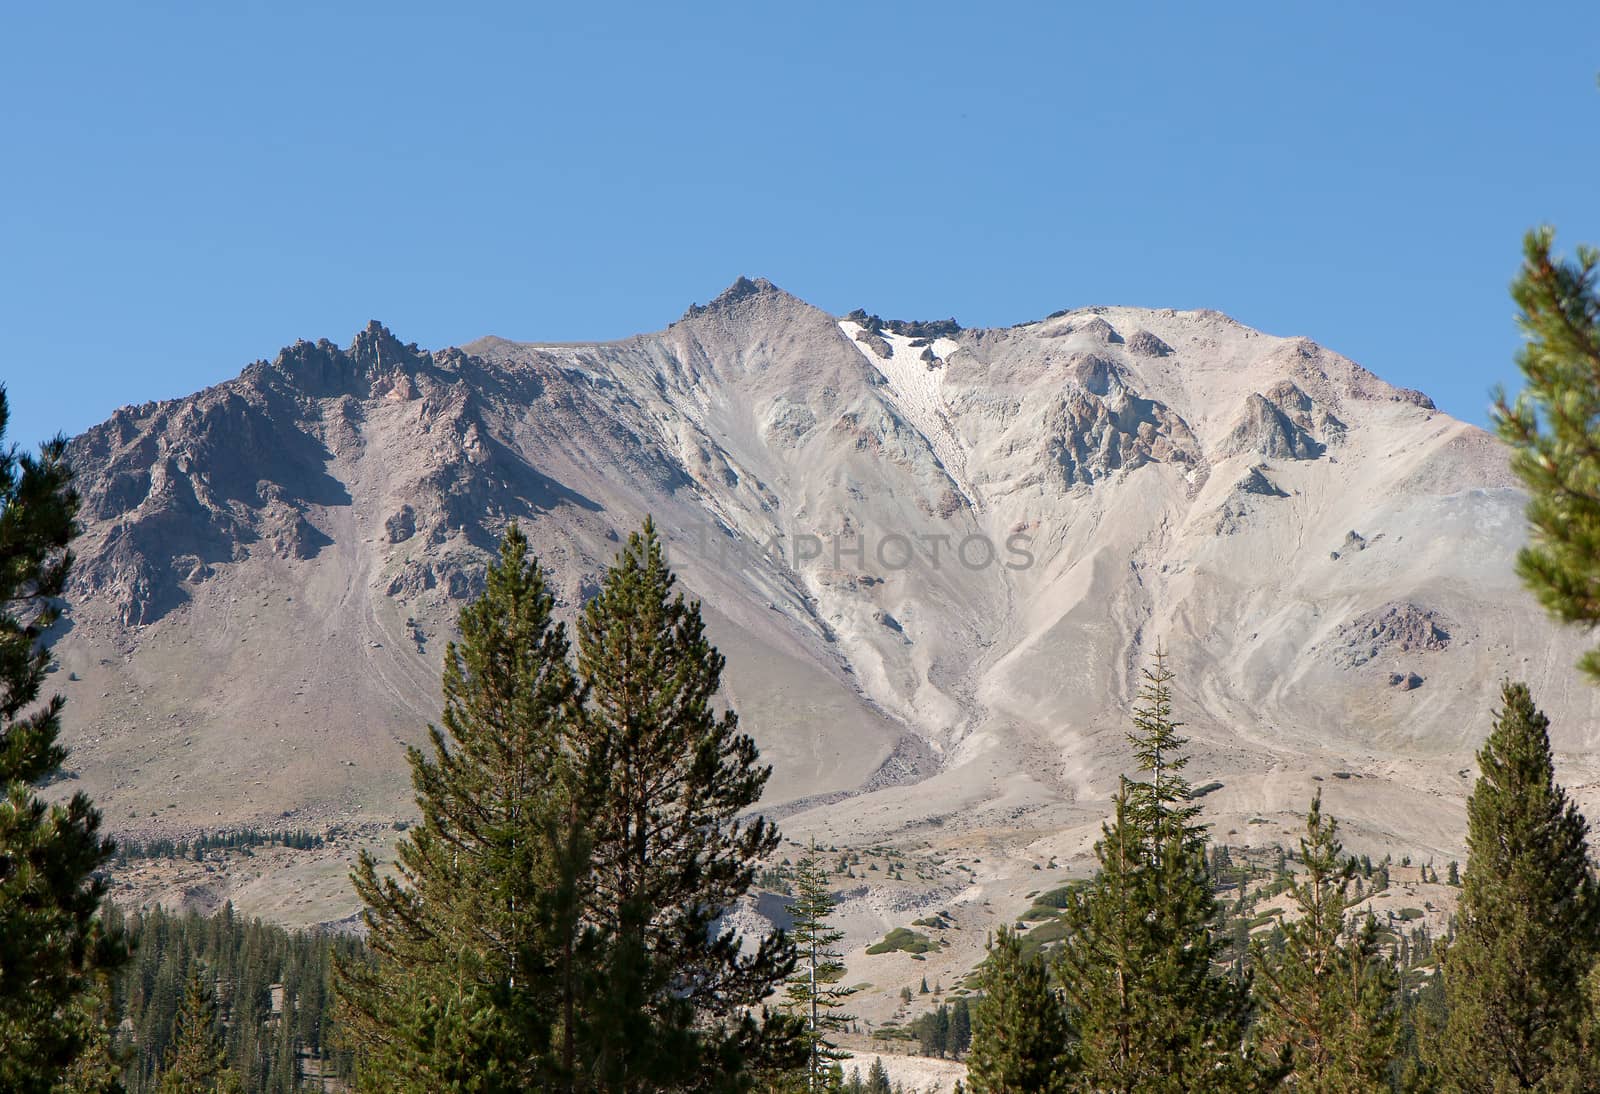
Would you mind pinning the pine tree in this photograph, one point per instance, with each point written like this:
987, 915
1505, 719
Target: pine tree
960, 1027
1329, 1004
55, 950
197, 1062
99, 1064
1158, 752
1554, 428
1019, 1029
671, 851
1528, 931
478, 959
1138, 961
813, 992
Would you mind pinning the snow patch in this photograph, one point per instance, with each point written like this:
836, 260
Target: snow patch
917, 386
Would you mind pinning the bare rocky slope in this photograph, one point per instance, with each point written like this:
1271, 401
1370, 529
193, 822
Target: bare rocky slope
936, 559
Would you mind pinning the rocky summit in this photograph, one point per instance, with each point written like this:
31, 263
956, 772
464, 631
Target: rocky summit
935, 558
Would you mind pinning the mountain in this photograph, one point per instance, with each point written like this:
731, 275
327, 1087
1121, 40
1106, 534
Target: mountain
936, 559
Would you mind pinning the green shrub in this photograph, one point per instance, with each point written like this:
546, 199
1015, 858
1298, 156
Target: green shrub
1057, 897
1043, 935
903, 939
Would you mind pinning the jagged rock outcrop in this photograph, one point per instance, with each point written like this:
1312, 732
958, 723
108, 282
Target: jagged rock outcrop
942, 558
1244, 499
1401, 627
1256, 482
1264, 429
1145, 344
1090, 436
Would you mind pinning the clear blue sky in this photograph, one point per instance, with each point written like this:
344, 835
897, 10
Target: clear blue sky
185, 188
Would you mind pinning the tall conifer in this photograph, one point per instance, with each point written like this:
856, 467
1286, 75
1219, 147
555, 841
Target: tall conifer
1150, 1011
55, 950
673, 850
960, 1026
1158, 751
813, 992
1020, 1038
99, 1066
477, 950
196, 1062
1329, 1003
1515, 974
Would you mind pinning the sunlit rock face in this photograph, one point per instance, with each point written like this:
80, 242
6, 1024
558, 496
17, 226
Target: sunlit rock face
935, 558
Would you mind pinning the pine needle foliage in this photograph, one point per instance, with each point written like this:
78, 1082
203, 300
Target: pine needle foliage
813, 992
197, 1062
477, 954
1020, 1037
673, 849
274, 986
99, 1065
55, 950
1328, 1000
1158, 752
1528, 933
1139, 961
1553, 427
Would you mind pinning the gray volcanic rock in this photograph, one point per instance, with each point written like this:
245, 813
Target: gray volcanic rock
1264, 429
1401, 627
1145, 344
935, 558
1256, 482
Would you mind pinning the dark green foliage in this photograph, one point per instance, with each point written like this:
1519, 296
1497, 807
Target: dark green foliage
813, 993
1421, 1009
932, 1031
550, 925
1528, 932
54, 948
99, 1065
197, 1063
1554, 428
1329, 1004
671, 851
903, 938
240, 839
1057, 898
1139, 963
960, 1027
477, 956
1158, 752
1019, 1027
272, 988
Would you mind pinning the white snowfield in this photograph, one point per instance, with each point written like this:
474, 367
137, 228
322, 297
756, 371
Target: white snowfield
918, 389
